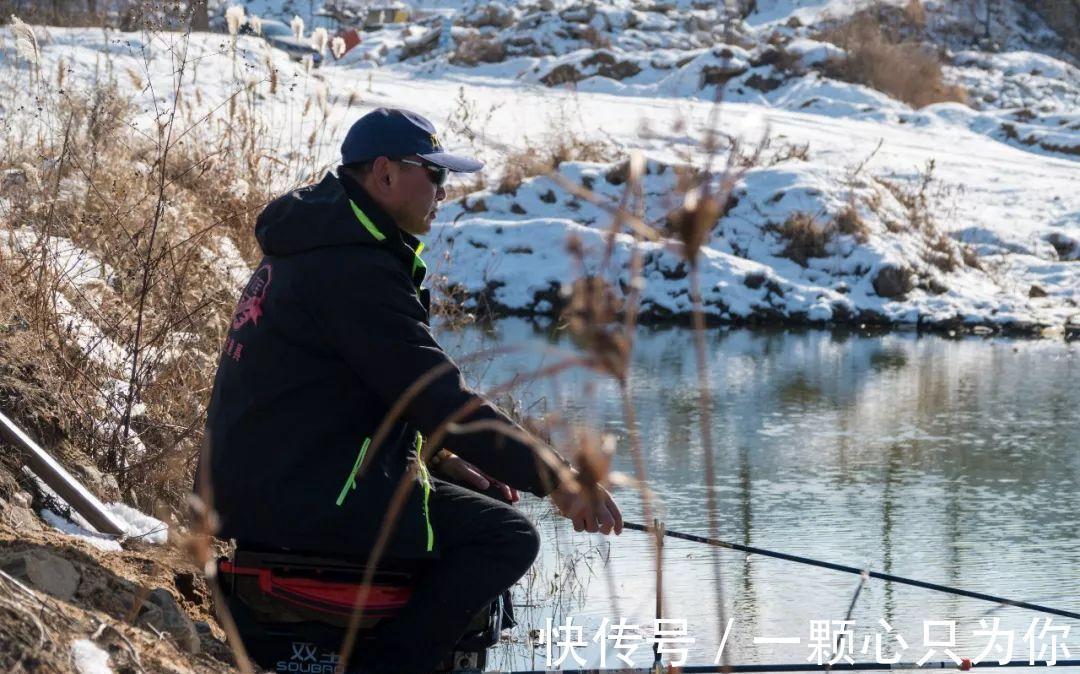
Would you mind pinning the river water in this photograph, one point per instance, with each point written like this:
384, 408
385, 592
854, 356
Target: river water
953, 461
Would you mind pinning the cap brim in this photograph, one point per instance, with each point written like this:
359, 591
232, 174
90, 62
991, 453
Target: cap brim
455, 163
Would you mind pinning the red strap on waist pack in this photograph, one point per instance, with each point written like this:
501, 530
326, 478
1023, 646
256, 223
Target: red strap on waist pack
320, 595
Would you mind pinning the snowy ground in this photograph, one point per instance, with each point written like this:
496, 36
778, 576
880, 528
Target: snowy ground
1001, 250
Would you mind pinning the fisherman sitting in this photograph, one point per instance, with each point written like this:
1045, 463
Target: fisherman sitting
331, 332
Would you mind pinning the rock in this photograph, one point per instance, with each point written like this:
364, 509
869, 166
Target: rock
161, 612
211, 646
937, 287
601, 63
768, 56
1067, 247
521, 41
562, 74
475, 48
47, 572
1037, 291
578, 14
893, 282
730, 62
19, 516
754, 280
607, 65
764, 84
493, 14
421, 44
1063, 16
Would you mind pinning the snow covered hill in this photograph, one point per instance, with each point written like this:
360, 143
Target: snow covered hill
858, 208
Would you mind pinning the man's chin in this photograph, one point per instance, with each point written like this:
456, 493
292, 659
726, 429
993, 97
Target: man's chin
423, 227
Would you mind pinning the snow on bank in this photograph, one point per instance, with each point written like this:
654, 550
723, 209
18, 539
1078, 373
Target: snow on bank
506, 252
89, 658
138, 524
135, 524
1006, 209
66, 526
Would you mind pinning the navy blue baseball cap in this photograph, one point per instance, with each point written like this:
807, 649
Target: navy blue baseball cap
396, 133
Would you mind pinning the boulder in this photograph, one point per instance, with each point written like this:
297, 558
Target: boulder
578, 14
562, 74
161, 612
46, 571
494, 14
728, 63
1066, 247
607, 65
18, 515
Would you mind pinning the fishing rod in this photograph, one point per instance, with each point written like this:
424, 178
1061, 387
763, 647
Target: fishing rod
965, 665
851, 569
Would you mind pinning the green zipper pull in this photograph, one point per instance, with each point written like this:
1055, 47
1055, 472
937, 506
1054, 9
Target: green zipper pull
425, 480
351, 482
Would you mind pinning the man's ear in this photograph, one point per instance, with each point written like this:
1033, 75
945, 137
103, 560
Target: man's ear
383, 172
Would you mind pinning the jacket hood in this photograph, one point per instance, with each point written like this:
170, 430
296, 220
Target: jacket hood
333, 212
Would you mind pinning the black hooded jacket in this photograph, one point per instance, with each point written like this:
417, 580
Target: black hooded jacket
329, 333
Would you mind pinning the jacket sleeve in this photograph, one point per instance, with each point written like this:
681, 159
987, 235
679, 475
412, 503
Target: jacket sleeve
372, 317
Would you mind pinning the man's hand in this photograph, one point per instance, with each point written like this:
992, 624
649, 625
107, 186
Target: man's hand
452, 467
593, 512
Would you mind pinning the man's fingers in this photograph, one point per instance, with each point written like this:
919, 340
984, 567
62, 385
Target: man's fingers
613, 509
463, 471
605, 518
473, 477
592, 513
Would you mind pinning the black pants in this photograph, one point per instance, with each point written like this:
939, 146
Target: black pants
485, 546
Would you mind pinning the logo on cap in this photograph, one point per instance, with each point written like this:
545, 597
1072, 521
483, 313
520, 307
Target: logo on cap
435, 144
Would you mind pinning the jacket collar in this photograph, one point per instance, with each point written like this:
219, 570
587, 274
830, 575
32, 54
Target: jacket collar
382, 227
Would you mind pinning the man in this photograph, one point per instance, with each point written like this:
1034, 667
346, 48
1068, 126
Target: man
330, 332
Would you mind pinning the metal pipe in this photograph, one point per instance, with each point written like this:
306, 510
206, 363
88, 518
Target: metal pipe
59, 480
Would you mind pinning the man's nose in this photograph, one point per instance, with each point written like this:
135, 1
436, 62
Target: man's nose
440, 193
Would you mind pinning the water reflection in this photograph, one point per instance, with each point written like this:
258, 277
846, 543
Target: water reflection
951, 461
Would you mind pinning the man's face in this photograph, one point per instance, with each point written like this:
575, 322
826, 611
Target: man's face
414, 197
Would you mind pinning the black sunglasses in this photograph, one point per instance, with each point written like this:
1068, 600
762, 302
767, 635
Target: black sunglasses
437, 174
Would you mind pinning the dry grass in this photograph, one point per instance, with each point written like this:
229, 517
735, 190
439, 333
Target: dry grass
122, 14
112, 254
849, 222
881, 53
918, 199
540, 160
595, 38
806, 237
